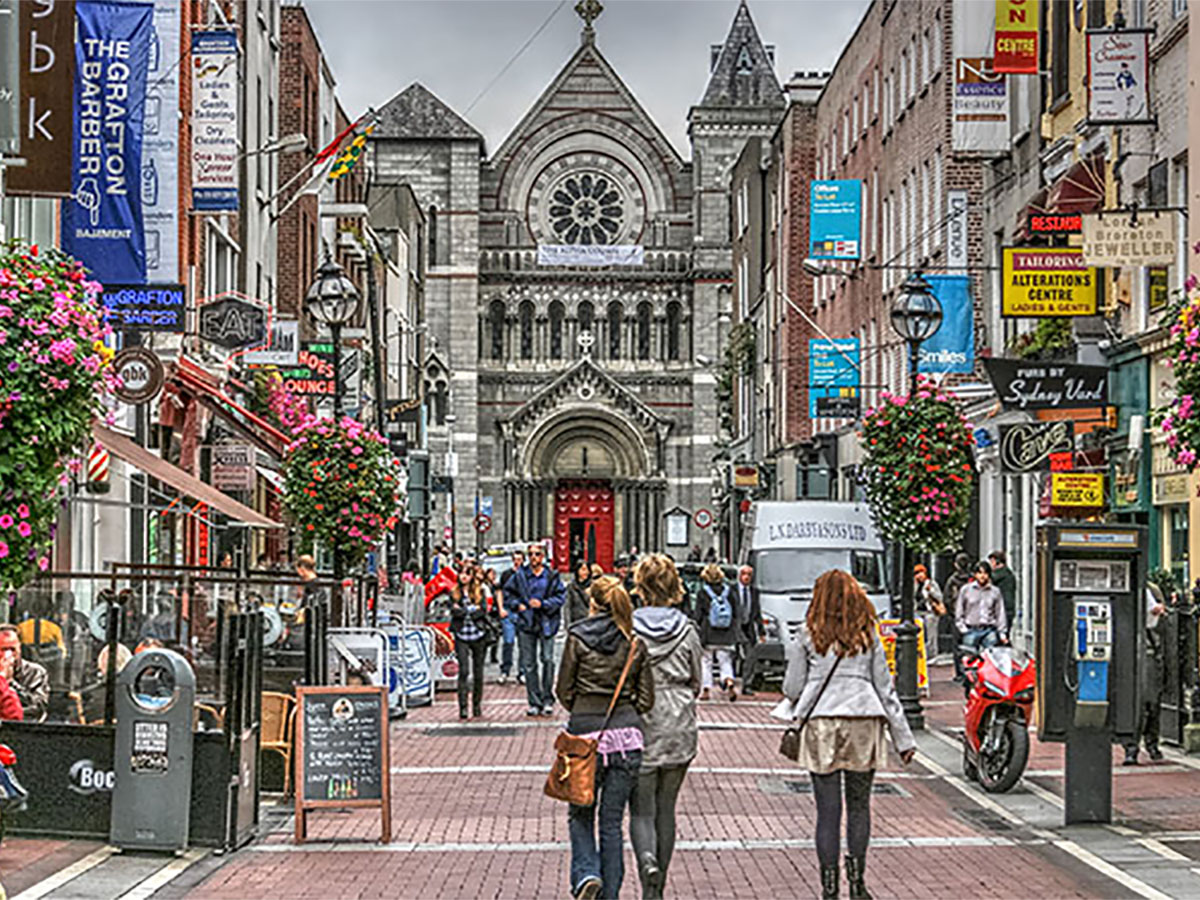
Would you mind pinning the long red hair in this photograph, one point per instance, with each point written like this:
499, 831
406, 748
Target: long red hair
840, 614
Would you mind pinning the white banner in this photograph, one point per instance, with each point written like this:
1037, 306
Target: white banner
160, 148
1119, 77
1113, 240
284, 348
956, 231
981, 107
591, 255
214, 121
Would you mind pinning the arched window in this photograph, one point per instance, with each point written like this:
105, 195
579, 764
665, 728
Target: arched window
441, 400
616, 318
674, 326
433, 235
643, 330
496, 326
525, 314
587, 317
556, 330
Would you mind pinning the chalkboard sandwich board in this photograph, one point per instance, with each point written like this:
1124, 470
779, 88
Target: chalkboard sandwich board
344, 758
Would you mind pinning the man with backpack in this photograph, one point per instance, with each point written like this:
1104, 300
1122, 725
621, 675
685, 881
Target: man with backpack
716, 611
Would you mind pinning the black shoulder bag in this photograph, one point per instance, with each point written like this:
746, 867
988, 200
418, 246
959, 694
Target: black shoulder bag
789, 744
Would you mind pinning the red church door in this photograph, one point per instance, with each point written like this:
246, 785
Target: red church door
583, 524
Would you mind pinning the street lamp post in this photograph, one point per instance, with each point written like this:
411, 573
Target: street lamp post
333, 300
916, 317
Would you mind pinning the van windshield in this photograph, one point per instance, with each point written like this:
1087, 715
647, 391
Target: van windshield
795, 569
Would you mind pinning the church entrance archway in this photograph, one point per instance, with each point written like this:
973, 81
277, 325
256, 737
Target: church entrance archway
584, 518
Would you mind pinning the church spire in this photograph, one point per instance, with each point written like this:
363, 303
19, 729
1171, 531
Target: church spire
743, 69
589, 11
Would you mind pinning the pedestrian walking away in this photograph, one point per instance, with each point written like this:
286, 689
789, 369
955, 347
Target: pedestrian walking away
594, 656
721, 629
979, 614
538, 595
469, 601
838, 677
1150, 671
508, 621
670, 728
1003, 578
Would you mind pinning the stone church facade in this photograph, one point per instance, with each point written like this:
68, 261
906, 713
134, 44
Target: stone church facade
580, 399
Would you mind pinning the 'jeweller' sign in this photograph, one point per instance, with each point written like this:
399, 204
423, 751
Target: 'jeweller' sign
1038, 385
1028, 447
1116, 240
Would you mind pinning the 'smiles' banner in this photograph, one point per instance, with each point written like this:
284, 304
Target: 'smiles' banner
102, 222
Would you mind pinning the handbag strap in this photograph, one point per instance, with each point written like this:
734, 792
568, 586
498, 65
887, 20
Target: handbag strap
817, 699
612, 704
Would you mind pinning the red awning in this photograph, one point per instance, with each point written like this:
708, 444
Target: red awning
187, 484
1037, 205
190, 376
1081, 188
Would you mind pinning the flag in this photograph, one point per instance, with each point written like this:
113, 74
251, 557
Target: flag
351, 155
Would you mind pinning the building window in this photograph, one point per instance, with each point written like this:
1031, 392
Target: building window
936, 60
586, 208
1137, 13
615, 318
587, 317
1060, 52
496, 324
1095, 13
525, 314
1178, 8
674, 329
433, 236
439, 394
643, 330
556, 330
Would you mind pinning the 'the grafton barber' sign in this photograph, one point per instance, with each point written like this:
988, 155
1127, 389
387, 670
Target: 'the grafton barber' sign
1038, 385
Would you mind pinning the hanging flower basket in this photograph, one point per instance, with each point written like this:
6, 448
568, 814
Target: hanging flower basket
1180, 421
918, 468
54, 376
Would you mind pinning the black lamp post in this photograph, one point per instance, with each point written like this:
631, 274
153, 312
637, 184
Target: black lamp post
916, 317
333, 300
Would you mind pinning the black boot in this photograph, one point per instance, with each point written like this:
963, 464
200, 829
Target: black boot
829, 882
651, 876
855, 870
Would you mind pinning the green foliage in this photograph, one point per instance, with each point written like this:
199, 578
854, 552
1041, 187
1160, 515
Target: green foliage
736, 362
1180, 421
1050, 339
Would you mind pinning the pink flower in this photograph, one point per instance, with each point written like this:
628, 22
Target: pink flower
6, 521
24, 530
3, 549
23, 511
43, 563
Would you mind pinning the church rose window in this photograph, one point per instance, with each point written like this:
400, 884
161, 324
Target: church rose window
586, 208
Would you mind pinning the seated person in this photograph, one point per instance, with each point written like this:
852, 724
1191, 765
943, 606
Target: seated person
93, 695
28, 679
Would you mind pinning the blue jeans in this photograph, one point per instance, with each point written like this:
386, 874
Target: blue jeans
985, 636
508, 631
534, 647
616, 778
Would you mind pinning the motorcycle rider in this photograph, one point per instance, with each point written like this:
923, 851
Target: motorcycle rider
979, 614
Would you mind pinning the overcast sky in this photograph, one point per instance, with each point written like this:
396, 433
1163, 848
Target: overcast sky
376, 48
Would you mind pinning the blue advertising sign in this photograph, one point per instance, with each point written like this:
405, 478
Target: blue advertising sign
834, 217
145, 307
214, 120
833, 377
102, 221
952, 348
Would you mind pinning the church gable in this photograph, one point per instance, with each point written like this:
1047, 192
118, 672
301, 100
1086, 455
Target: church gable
416, 113
743, 72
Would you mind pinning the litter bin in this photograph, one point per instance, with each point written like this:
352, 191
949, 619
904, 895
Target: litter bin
153, 761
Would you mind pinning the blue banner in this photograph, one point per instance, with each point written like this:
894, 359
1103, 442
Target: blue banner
834, 215
833, 378
952, 348
102, 221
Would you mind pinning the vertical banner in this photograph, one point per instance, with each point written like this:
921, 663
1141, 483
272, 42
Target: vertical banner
1016, 51
952, 348
981, 107
214, 121
833, 378
47, 92
834, 219
10, 79
956, 230
160, 151
1119, 77
102, 223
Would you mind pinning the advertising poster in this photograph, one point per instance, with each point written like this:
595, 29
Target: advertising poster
160, 147
1119, 77
952, 348
833, 378
1026, 385
1047, 281
47, 93
1016, 50
981, 107
1116, 240
1077, 489
102, 223
214, 121
887, 636
834, 218
283, 349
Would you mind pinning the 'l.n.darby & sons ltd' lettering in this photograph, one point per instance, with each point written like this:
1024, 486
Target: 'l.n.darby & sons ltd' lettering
795, 530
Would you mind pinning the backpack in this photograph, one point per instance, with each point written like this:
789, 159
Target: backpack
720, 610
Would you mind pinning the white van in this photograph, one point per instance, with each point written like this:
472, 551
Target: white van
790, 544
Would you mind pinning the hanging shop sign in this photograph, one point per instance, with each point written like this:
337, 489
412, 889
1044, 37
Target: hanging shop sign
1169, 489
102, 222
283, 346
214, 121
834, 219
1047, 281
1016, 49
1035, 385
160, 147
980, 109
1118, 77
952, 347
1029, 446
233, 467
47, 94
591, 255
745, 476
1053, 225
957, 207
145, 307
10, 79
1118, 239
233, 321
833, 378
140, 373
1078, 490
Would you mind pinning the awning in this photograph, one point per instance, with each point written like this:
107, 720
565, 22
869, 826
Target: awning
1081, 188
273, 478
190, 485
196, 380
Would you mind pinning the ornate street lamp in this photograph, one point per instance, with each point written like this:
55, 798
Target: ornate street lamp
916, 317
333, 301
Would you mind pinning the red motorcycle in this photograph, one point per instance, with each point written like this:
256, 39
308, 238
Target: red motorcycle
1000, 683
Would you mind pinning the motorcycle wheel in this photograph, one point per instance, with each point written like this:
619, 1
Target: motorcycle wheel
1001, 770
970, 771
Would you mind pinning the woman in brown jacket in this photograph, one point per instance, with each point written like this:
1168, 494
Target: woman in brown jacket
595, 654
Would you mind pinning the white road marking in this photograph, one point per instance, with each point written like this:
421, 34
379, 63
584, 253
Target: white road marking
962, 787
1107, 869
62, 876
1157, 846
693, 770
164, 876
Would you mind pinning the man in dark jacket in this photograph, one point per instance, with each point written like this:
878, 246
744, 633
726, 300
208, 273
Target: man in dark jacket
27, 678
1003, 578
947, 633
536, 594
749, 612
508, 621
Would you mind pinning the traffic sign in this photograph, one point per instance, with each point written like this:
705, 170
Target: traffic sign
483, 522
703, 518
448, 533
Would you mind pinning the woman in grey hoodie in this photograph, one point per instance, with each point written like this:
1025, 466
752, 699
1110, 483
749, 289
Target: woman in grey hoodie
670, 728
